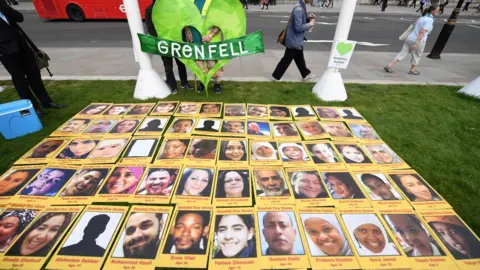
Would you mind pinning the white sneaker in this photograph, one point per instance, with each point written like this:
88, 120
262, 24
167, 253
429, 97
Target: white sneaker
309, 77
271, 78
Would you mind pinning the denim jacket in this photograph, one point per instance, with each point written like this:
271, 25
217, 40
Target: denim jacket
297, 27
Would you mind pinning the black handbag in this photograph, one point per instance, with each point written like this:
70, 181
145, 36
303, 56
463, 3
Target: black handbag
41, 57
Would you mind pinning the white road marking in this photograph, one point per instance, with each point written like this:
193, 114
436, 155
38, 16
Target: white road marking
474, 26
274, 16
363, 43
324, 23
368, 18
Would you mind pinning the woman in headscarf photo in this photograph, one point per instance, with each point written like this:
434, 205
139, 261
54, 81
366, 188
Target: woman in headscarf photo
293, 152
78, 149
13, 224
123, 180
369, 236
233, 150
235, 237
42, 236
264, 151
325, 236
233, 184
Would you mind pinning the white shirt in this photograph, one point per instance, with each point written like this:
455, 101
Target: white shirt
425, 22
4, 17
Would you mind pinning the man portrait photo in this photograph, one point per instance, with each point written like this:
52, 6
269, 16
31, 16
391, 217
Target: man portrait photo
271, 183
279, 234
141, 237
189, 233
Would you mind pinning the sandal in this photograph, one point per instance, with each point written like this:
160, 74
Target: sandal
388, 70
415, 72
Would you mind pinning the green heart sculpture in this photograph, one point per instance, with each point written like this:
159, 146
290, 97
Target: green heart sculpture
344, 48
170, 17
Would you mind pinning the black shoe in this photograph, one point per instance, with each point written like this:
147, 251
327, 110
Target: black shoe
54, 105
201, 89
186, 86
218, 89
40, 112
174, 91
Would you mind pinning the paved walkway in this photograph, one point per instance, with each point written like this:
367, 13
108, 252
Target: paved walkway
365, 67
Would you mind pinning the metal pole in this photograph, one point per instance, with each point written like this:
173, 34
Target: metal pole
330, 87
445, 33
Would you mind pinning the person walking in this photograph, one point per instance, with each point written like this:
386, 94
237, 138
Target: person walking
376, 3
465, 8
330, 2
244, 3
168, 61
323, 3
298, 24
19, 60
384, 5
422, 4
414, 4
443, 4
416, 40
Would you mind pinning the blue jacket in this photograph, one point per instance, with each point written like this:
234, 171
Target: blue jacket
297, 27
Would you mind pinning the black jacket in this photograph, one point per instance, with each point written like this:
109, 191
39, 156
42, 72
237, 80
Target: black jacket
148, 21
10, 39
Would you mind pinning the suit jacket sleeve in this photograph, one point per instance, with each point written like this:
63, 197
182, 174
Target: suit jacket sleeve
10, 12
298, 24
149, 21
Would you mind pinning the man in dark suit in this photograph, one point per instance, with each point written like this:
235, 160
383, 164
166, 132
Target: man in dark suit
18, 59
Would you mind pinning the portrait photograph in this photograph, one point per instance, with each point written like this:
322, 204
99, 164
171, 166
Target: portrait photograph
279, 234
257, 111
48, 182
101, 126
277, 111
325, 236
234, 110
233, 126
211, 109
203, 149
109, 148
188, 108
341, 185
323, 153
153, 124
352, 154
14, 180
188, 233
284, 129
270, 183
181, 125
91, 235
158, 182
415, 188
350, 114
45, 149
35, 242
123, 180
311, 128
337, 129
264, 150
382, 154
141, 109
208, 125
117, 109
293, 152
140, 148
13, 222
234, 237
233, 150
125, 126
195, 182
164, 108
369, 236
85, 182
233, 184
412, 235
307, 185
78, 149
173, 149
95, 109
258, 128
141, 236
377, 187
327, 113
75, 125
364, 131
303, 111
460, 241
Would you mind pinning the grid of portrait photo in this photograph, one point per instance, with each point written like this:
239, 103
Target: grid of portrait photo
224, 186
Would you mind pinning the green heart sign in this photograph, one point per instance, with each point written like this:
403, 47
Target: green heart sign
344, 48
170, 17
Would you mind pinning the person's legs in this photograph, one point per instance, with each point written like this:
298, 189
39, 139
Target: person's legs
182, 71
168, 65
400, 56
299, 59
34, 78
416, 57
284, 63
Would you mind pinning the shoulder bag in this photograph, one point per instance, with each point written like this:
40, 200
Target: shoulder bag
283, 35
41, 57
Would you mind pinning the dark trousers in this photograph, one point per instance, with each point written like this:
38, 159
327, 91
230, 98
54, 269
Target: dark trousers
244, 3
26, 77
182, 71
443, 6
330, 2
466, 6
291, 54
384, 5
421, 7
414, 4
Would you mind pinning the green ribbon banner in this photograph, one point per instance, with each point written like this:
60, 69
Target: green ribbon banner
227, 49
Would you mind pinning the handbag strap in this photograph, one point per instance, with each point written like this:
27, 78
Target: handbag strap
29, 41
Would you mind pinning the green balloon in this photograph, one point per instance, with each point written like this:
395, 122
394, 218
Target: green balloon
170, 17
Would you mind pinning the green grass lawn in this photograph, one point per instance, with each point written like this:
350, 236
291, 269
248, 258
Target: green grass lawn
432, 128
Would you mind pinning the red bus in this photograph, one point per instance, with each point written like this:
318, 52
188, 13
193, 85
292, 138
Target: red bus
81, 10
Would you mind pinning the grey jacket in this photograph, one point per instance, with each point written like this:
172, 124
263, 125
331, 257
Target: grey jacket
297, 28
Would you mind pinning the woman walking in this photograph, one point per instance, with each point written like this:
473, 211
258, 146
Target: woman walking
265, 4
416, 40
422, 3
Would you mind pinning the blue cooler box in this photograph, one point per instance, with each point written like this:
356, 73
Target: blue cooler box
18, 118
